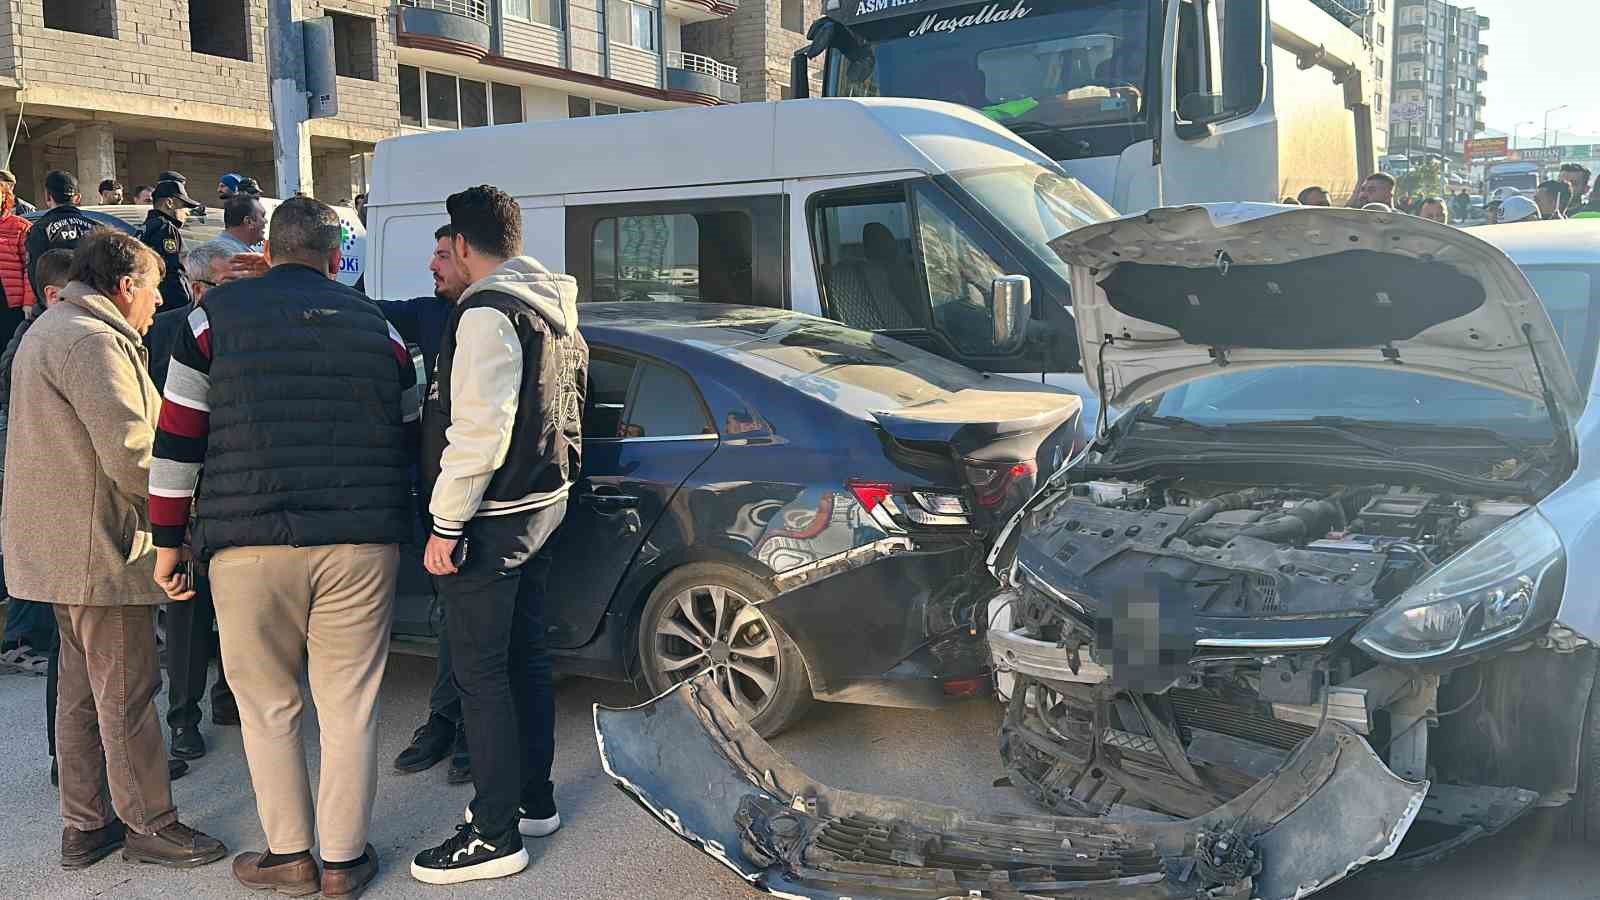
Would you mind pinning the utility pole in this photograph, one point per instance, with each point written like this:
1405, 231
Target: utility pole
286, 76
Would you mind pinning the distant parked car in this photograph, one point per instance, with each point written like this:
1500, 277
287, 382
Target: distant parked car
798, 505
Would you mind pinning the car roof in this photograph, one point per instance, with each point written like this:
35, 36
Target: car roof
753, 142
1568, 241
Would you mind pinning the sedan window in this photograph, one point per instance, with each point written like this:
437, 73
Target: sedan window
665, 404
631, 397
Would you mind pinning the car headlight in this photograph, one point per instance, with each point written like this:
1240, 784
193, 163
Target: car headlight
1491, 590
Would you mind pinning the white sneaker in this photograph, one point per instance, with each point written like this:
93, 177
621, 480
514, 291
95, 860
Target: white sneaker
469, 856
528, 827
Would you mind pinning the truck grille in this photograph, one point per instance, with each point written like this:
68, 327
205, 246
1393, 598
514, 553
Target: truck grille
1211, 711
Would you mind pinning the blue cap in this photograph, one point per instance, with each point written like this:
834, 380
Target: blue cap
232, 181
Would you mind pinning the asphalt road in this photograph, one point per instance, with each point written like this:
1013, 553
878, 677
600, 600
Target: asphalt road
608, 847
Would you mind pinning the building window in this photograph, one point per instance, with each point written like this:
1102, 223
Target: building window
507, 103
1377, 68
1380, 34
1377, 102
410, 96
545, 12
220, 28
96, 17
442, 100
474, 103
631, 23
578, 107
355, 46
444, 107
794, 16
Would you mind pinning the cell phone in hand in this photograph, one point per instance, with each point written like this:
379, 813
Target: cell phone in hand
458, 556
186, 576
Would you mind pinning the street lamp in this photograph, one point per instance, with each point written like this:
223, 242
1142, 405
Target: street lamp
1547, 120
1516, 140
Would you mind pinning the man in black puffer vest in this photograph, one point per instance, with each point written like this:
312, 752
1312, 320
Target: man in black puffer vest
300, 402
501, 449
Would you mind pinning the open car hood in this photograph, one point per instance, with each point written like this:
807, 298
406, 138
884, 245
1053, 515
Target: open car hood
1170, 295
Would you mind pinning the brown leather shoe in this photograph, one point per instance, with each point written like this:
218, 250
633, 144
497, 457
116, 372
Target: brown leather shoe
295, 879
176, 846
81, 849
350, 882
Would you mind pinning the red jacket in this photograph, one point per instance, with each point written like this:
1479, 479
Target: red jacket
14, 260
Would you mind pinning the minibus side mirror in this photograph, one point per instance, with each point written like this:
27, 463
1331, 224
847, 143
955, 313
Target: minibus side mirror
1009, 303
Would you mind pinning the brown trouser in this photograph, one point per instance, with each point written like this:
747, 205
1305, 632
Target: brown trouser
108, 736
322, 613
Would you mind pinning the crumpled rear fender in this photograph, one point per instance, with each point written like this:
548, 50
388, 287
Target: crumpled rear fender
689, 759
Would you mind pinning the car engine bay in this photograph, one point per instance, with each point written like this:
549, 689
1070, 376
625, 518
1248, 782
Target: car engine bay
1256, 591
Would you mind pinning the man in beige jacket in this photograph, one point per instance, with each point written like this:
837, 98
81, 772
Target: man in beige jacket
75, 536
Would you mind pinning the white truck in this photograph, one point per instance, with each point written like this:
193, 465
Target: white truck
1147, 102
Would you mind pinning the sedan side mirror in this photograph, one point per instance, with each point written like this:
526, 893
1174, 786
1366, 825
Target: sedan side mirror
1009, 302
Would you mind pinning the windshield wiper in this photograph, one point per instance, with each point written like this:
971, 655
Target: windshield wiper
1324, 424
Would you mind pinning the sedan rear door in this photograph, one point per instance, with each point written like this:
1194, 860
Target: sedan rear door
645, 431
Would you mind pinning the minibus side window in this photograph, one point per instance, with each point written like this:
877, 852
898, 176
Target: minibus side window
673, 257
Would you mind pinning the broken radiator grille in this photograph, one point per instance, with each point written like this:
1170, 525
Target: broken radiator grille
1043, 857
1209, 710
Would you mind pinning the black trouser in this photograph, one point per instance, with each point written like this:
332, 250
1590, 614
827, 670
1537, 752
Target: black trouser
191, 643
444, 701
495, 607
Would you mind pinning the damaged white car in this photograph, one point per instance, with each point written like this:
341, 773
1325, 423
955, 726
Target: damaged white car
1318, 594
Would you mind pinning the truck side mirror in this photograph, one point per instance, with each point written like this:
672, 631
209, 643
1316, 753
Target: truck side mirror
799, 75
1009, 302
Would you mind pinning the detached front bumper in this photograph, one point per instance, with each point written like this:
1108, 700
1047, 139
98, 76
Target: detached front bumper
689, 759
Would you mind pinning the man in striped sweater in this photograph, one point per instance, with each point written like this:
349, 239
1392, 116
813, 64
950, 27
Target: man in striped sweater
300, 404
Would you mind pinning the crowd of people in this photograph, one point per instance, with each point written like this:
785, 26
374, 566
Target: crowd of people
227, 433
1572, 195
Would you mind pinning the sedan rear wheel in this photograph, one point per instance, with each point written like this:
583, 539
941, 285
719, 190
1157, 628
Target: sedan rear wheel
708, 616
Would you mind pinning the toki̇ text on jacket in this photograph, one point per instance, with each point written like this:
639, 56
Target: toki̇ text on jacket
502, 427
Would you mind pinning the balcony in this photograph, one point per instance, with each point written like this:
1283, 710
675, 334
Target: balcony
450, 26
1483, 49
1480, 76
701, 10
703, 77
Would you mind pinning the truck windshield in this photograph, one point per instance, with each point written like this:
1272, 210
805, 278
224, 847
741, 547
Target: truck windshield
1040, 69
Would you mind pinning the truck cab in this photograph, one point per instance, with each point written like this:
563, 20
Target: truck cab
1148, 103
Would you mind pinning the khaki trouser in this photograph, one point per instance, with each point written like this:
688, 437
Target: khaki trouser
108, 736
323, 613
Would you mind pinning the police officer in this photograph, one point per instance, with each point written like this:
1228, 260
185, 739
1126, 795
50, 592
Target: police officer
169, 209
62, 228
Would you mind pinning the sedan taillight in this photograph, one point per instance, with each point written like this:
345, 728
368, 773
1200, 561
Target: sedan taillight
894, 509
993, 484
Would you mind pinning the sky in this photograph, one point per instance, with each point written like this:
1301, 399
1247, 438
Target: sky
1542, 54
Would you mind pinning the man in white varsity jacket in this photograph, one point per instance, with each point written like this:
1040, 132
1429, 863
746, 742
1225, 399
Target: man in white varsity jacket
501, 445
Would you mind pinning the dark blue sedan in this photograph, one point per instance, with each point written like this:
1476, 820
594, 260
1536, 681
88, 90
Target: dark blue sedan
799, 506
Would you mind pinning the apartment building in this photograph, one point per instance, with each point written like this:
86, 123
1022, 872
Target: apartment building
128, 88
479, 62
760, 37
1440, 67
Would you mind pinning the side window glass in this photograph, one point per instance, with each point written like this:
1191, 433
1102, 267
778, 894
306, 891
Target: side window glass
961, 265
610, 376
665, 404
868, 265
674, 257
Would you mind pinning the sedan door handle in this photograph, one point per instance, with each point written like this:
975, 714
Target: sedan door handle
610, 502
